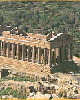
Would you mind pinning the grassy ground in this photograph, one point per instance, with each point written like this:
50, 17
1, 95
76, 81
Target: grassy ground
27, 78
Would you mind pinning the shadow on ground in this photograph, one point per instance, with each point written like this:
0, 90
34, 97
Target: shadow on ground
66, 67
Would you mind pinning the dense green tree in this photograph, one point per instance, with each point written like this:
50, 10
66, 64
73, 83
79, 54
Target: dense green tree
60, 16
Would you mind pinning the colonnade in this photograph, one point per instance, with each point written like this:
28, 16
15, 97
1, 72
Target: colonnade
36, 54
61, 54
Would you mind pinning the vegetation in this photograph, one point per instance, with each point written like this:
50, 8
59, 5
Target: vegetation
5, 91
10, 91
26, 78
47, 16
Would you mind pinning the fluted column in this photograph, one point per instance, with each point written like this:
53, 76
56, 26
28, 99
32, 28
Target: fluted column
45, 55
4, 49
0, 47
71, 52
28, 53
23, 52
18, 51
54, 56
33, 54
63, 53
58, 57
60, 54
39, 55
67, 53
13, 50
50, 58
8, 48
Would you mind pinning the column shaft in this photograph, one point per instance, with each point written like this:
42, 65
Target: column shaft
13, 50
39, 55
58, 57
4, 49
0, 47
66, 53
63, 53
45, 55
54, 56
49, 58
33, 54
23, 52
8, 48
18, 51
28, 53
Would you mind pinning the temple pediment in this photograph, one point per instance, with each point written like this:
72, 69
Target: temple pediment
60, 39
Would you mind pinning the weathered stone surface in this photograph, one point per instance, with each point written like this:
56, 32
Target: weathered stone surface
31, 41
23, 52
33, 54
4, 49
18, 51
13, 50
8, 47
39, 55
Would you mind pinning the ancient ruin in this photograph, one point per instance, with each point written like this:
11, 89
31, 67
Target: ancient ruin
36, 48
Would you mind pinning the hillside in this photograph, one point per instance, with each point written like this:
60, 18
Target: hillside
44, 17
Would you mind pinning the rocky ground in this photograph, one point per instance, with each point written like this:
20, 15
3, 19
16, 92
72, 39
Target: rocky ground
65, 85
76, 60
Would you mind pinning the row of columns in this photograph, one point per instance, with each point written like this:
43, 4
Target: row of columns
64, 53
49, 55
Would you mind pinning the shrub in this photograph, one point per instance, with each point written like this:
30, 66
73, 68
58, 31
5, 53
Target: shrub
5, 91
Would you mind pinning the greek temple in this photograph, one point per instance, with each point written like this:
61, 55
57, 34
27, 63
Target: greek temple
36, 48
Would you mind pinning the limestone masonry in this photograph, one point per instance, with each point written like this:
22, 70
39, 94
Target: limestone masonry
36, 48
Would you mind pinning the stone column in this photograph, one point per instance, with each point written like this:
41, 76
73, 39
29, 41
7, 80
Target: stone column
13, 50
0, 47
54, 56
23, 52
8, 48
50, 58
18, 51
4, 49
36, 57
45, 55
33, 54
60, 54
71, 52
66, 50
63, 53
58, 57
39, 55
28, 53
